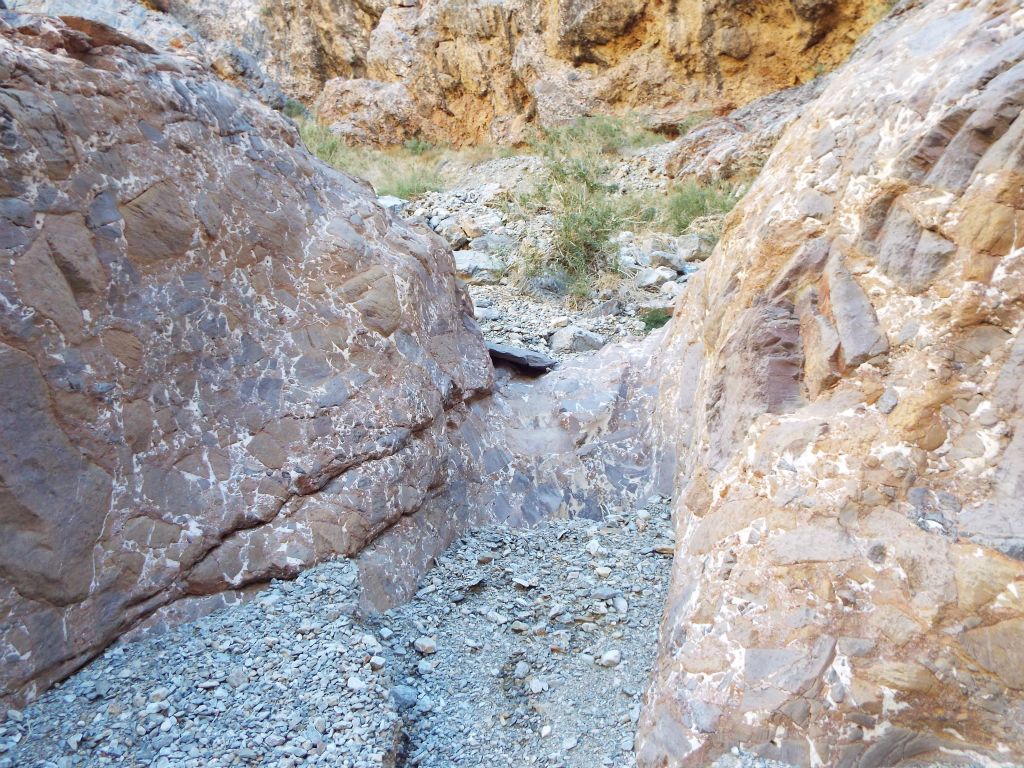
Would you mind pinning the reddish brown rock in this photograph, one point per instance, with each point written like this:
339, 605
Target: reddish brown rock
205, 334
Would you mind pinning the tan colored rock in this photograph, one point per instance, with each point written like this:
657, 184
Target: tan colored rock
484, 70
369, 111
999, 648
846, 376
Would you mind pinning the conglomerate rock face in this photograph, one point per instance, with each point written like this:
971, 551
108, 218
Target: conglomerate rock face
147, 22
205, 332
845, 384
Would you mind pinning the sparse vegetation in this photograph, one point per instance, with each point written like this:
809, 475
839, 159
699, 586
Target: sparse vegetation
693, 121
689, 201
418, 146
585, 207
588, 210
655, 318
294, 109
407, 171
402, 172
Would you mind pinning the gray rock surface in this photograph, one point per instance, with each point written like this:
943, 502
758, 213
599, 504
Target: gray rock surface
523, 358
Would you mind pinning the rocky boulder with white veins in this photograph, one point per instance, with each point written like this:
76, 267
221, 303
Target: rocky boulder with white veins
845, 386
223, 361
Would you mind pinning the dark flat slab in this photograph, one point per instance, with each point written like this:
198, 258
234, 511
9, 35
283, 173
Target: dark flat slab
527, 359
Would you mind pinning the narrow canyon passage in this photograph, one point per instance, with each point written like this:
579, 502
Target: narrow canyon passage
547, 387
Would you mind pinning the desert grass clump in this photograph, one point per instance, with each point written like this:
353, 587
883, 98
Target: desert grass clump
406, 172
655, 318
691, 201
586, 209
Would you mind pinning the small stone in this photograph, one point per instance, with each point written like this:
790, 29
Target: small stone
575, 339
570, 743
610, 658
424, 667
425, 645
355, 684
603, 571
377, 662
404, 696
521, 671
545, 731
237, 677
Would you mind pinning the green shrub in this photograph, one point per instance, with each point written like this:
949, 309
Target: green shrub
691, 200
655, 318
586, 209
418, 146
294, 109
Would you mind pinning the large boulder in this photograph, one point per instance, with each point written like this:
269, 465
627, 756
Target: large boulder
845, 384
368, 111
236, 58
221, 360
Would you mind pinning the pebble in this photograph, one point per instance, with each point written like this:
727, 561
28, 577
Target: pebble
425, 645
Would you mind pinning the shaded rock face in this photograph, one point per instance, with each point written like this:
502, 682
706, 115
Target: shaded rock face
844, 384
572, 443
221, 360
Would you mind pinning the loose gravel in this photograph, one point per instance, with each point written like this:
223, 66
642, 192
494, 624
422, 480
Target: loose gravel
526, 645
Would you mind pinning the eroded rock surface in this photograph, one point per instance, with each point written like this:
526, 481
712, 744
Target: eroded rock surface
222, 360
483, 70
487, 70
844, 385
236, 60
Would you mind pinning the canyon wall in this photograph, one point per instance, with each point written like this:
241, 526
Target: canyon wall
224, 361
205, 333
845, 384
485, 70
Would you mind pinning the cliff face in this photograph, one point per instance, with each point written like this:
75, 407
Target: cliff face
483, 70
845, 382
301, 43
469, 70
